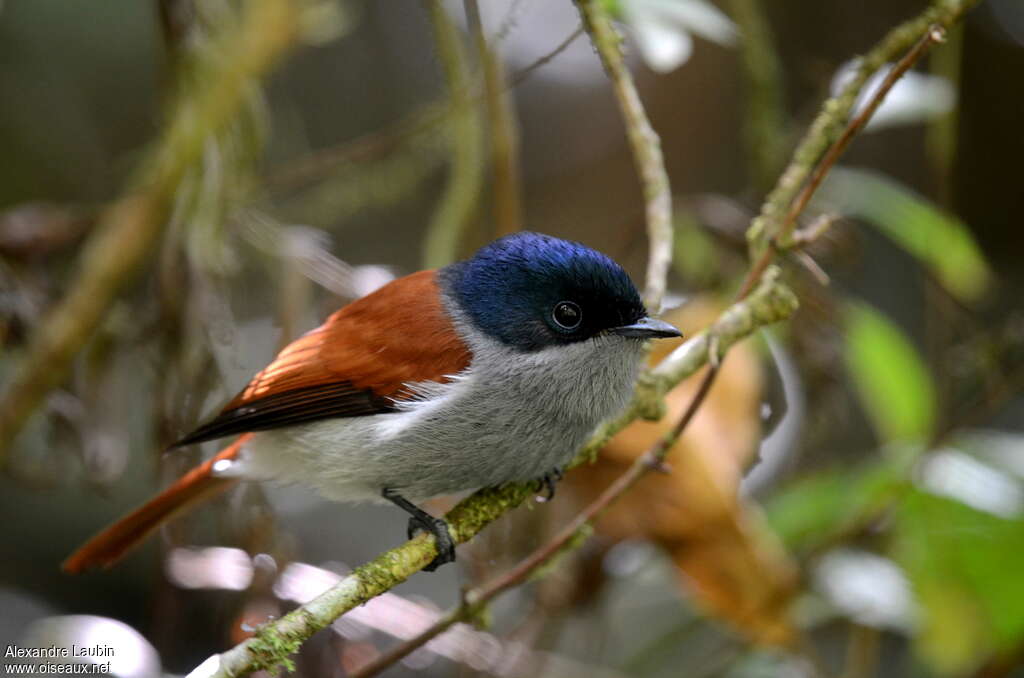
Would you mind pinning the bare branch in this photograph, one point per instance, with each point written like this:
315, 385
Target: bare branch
835, 113
646, 147
526, 71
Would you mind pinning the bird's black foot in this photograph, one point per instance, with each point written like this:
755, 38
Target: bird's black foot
548, 481
442, 537
421, 521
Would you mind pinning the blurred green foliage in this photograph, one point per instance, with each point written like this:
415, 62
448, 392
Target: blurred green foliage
961, 563
820, 509
941, 241
893, 385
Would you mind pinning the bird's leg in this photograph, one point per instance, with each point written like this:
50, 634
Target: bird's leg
548, 481
421, 520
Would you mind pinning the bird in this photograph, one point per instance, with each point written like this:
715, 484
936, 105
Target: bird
488, 371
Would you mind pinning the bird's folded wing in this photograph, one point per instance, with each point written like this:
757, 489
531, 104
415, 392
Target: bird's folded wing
357, 363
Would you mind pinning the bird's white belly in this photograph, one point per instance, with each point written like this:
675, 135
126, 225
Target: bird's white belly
484, 428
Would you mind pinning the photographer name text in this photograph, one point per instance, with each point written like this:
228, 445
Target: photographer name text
58, 652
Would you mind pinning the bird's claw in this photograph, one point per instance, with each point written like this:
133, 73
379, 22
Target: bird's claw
421, 521
443, 538
547, 481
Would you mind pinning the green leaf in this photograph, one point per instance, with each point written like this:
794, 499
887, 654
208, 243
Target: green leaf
938, 239
892, 383
816, 509
966, 568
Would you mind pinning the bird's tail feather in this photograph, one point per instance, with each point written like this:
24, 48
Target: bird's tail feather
110, 545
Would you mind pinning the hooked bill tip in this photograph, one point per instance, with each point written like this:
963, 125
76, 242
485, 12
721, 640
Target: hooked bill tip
648, 328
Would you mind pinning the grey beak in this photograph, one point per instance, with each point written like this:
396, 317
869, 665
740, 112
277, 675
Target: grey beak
647, 328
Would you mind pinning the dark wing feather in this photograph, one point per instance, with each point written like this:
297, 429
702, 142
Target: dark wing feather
356, 364
289, 408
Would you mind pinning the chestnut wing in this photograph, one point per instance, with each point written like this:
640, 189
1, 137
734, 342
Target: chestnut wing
357, 363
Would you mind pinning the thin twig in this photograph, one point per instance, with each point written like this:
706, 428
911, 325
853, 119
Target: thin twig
422, 121
932, 35
316, 164
645, 145
834, 114
404, 649
525, 72
812, 267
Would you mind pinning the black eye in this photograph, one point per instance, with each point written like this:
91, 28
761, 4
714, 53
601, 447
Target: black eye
567, 315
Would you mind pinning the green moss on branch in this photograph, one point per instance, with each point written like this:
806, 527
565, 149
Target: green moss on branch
770, 303
835, 112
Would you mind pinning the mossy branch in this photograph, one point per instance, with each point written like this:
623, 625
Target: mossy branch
762, 300
770, 302
272, 645
129, 230
834, 114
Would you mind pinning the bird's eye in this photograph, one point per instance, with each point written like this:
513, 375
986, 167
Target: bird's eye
567, 315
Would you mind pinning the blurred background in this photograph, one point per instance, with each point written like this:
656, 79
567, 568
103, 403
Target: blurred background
850, 500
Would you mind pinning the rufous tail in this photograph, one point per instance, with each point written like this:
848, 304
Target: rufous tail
110, 545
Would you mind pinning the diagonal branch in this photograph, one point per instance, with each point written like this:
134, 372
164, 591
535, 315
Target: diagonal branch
762, 300
781, 236
522, 74
771, 302
706, 347
835, 113
577, 530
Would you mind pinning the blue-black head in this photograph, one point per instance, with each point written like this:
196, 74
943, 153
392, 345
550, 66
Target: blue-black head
532, 291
